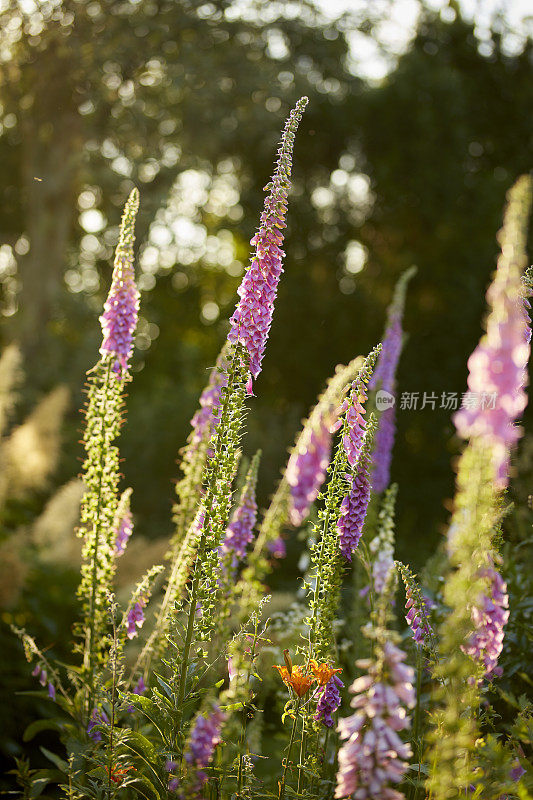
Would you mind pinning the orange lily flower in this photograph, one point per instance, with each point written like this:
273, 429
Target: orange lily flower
296, 679
322, 672
117, 774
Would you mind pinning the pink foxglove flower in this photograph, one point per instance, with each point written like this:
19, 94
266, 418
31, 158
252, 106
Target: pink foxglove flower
306, 470
239, 532
250, 323
373, 756
489, 617
204, 737
206, 418
121, 308
498, 365
123, 532
354, 507
135, 618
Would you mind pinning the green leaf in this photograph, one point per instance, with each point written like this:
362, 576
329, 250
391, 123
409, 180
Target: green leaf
60, 764
39, 725
144, 745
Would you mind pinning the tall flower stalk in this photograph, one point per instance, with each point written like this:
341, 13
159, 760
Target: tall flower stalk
497, 364
103, 419
250, 325
373, 757
324, 583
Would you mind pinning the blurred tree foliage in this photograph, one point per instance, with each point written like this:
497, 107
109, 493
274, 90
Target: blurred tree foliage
186, 101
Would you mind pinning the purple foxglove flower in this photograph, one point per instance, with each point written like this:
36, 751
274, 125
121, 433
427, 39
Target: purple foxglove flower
517, 771
353, 509
203, 739
498, 365
353, 406
97, 718
381, 567
135, 618
418, 617
123, 532
373, 756
329, 701
384, 375
51, 691
206, 418
306, 470
140, 687
250, 323
489, 617
382, 455
122, 305
239, 532
277, 548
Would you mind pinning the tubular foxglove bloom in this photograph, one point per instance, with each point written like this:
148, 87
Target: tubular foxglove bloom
252, 318
373, 756
384, 378
329, 701
123, 523
498, 365
382, 456
206, 418
277, 548
306, 469
204, 737
354, 431
355, 503
489, 616
239, 533
121, 308
418, 608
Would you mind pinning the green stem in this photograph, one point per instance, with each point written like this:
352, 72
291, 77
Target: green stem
291, 742
209, 493
302, 755
416, 722
89, 648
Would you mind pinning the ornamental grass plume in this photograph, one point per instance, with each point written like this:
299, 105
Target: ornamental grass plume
498, 365
251, 321
372, 756
384, 378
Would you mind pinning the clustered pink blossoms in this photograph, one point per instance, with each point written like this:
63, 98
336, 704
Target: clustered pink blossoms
123, 532
251, 321
135, 618
352, 405
498, 365
373, 756
329, 701
239, 532
121, 308
354, 507
417, 616
40, 673
206, 418
381, 567
204, 737
489, 617
306, 470
384, 378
